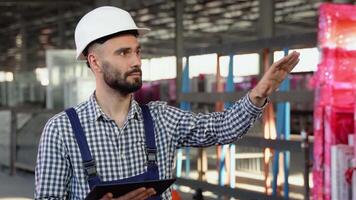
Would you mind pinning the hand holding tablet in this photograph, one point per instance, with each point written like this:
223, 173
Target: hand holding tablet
130, 190
138, 194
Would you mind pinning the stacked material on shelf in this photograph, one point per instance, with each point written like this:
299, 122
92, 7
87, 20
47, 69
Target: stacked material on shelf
334, 84
341, 156
156, 91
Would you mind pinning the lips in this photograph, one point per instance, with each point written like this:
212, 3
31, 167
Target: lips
135, 74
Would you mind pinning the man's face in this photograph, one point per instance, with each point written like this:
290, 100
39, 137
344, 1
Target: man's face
121, 64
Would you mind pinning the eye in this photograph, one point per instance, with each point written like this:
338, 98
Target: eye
124, 53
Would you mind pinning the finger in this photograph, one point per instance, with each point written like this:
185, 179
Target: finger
288, 67
144, 195
293, 58
294, 54
286, 61
289, 61
132, 194
287, 64
291, 66
107, 196
152, 191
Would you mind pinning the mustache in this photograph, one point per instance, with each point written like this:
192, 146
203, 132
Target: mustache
134, 70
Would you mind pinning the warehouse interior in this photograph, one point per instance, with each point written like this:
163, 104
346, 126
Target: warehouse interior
200, 55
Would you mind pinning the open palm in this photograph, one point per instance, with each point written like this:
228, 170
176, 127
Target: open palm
275, 75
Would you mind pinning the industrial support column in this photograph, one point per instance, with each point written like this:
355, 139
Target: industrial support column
179, 9
266, 27
13, 143
61, 29
23, 43
266, 30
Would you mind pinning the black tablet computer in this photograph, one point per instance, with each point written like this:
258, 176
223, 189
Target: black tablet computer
123, 188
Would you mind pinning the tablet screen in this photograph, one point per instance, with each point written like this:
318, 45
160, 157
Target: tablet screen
123, 188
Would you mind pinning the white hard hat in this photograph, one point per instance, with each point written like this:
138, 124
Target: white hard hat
100, 22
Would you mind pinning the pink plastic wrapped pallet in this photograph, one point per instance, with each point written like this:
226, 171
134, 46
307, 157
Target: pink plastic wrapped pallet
318, 164
337, 26
335, 85
338, 123
337, 81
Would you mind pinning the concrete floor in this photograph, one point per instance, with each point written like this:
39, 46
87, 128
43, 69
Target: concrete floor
18, 187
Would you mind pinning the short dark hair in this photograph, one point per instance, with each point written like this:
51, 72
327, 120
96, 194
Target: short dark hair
102, 40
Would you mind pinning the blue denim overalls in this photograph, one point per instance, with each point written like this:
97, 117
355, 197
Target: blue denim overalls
90, 165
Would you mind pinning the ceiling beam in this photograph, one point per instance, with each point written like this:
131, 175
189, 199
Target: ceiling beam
277, 42
37, 2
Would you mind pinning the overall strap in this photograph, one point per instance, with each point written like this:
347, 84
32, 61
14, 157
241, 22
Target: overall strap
88, 161
151, 150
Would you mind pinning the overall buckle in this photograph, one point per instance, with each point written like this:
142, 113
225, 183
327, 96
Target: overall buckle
151, 155
90, 168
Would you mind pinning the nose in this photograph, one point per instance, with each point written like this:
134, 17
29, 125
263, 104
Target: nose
136, 60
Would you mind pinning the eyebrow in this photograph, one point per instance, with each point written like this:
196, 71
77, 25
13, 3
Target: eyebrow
123, 49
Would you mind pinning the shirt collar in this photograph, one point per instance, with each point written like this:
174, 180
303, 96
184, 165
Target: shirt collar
134, 110
97, 112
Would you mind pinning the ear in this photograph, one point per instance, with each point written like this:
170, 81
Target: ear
94, 62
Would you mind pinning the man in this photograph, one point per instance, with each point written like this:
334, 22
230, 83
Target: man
116, 140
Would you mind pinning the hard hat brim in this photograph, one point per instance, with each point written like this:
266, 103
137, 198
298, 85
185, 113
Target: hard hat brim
141, 32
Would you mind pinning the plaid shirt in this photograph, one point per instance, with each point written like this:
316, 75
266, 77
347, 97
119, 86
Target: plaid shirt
120, 152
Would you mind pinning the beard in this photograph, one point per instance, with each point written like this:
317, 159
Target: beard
118, 81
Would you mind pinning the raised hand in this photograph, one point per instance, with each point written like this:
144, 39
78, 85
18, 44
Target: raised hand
273, 78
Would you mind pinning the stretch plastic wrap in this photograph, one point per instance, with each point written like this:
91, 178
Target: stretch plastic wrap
334, 83
337, 26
